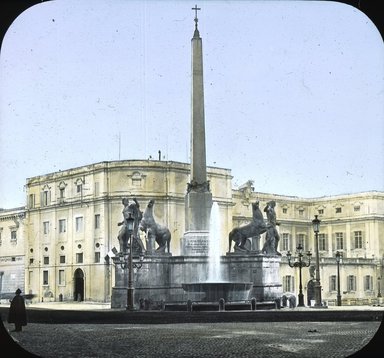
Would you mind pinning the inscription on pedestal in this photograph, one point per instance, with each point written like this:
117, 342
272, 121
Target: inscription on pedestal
195, 244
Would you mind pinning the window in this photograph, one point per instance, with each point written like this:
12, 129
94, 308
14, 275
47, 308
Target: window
62, 225
285, 210
339, 241
288, 284
62, 259
368, 283
97, 221
30, 261
61, 277
322, 242
301, 212
332, 283
62, 193
79, 258
321, 211
351, 283
13, 235
45, 277
79, 188
300, 240
338, 210
79, 224
46, 227
45, 198
356, 208
30, 276
46, 260
358, 239
285, 241
136, 179
31, 201
97, 257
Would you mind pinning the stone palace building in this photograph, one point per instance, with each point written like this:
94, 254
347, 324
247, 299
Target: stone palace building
59, 246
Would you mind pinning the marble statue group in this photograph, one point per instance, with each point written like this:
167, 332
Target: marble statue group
242, 235
161, 235
143, 222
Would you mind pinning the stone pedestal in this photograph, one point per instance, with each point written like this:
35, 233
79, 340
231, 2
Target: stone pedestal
198, 207
119, 297
197, 216
262, 270
161, 277
119, 291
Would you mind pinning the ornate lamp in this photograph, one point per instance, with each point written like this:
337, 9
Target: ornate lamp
300, 264
316, 229
338, 257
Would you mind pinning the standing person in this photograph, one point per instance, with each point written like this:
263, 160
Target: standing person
17, 312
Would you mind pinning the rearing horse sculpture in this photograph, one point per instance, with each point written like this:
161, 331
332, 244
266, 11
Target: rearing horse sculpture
256, 227
160, 233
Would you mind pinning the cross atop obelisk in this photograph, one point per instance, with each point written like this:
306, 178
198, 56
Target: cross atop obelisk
196, 19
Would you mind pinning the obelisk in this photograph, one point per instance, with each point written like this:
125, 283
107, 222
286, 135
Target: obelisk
198, 200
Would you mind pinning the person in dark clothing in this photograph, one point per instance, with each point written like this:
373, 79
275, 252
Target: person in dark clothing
17, 312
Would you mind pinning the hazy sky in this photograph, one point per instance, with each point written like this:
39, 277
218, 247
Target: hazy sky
293, 91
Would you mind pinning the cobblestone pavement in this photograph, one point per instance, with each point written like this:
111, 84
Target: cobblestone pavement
240, 340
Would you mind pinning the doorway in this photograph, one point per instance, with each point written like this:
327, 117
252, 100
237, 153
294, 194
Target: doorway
78, 278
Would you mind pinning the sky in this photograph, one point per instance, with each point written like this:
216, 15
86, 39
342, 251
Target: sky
293, 91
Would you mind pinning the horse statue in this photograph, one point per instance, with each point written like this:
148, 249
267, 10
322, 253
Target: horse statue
159, 233
130, 209
240, 234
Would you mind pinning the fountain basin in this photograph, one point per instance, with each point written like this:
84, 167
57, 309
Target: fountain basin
230, 291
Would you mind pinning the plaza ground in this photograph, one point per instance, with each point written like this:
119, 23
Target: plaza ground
81, 329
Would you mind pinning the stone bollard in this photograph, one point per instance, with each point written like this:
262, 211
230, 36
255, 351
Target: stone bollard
141, 303
147, 304
189, 306
292, 301
221, 304
253, 304
278, 303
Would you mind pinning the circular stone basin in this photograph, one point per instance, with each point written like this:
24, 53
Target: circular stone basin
213, 291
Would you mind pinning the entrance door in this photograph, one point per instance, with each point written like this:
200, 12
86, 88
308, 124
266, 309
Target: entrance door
78, 278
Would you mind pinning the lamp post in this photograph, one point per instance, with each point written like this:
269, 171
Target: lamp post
338, 256
126, 260
300, 264
317, 286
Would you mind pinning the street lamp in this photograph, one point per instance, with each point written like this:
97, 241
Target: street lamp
317, 286
338, 256
300, 264
126, 259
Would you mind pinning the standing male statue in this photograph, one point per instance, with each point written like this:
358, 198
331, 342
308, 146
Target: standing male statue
272, 236
132, 209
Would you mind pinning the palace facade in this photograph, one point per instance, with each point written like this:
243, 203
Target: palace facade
59, 246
